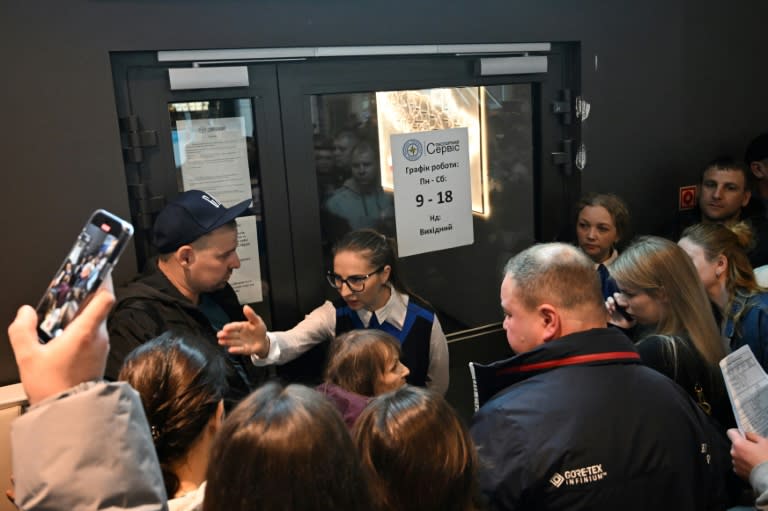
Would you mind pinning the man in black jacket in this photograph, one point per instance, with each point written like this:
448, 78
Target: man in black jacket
726, 198
185, 289
575, 421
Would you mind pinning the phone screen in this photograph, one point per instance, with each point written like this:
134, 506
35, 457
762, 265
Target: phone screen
96, 250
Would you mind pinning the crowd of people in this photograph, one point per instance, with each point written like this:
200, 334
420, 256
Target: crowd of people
351, 195
613, 398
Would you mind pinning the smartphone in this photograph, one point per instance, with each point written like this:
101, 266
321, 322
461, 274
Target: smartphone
96, 250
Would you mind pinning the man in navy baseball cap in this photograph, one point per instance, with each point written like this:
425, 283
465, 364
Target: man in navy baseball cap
185, 289
191, 215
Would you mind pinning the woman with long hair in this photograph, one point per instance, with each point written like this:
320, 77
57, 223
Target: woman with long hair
602, 224
661, 289
285, 449
371, 295
182, 384
417, 453
719, 254
362, 364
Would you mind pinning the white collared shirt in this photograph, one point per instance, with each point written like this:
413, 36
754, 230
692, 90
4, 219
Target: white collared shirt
611, 258
320, 325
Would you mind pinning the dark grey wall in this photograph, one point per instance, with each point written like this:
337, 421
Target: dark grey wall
676, 82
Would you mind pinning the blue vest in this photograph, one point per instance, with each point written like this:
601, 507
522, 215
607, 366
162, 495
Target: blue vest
607, 284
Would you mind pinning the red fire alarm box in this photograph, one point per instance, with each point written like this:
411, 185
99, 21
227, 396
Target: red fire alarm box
687, 197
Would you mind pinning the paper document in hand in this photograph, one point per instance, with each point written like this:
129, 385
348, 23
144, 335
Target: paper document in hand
747, 386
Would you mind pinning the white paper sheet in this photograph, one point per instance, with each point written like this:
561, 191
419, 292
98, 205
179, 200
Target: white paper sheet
214, 158
433, 204
747, 386
411, 111
246, 280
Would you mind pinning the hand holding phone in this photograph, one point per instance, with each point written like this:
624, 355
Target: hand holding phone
78, 356
96, 250
617, 314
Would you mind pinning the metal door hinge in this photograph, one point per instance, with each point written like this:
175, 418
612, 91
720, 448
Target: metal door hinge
145, 205
135, 139
564, 157
563, 107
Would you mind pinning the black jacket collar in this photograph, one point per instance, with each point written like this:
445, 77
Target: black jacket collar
591, 347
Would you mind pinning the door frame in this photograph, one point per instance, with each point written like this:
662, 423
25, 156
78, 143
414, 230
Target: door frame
280, 93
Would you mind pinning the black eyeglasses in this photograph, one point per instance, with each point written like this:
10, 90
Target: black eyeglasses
355, 283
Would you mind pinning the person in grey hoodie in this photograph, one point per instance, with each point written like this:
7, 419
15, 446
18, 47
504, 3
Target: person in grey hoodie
84, 443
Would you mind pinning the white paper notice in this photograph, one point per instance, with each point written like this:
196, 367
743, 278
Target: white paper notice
747, 386
214, 158
246, 280
433, 202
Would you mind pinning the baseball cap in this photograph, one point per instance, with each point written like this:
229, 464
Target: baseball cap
189, 216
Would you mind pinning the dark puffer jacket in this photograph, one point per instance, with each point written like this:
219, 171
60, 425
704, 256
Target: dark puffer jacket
151, 305
581, 424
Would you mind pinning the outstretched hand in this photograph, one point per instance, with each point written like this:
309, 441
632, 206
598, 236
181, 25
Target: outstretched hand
76, 356
615, 316
246, 337
747, 451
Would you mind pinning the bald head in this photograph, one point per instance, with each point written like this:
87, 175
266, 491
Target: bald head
550, 291
557, 274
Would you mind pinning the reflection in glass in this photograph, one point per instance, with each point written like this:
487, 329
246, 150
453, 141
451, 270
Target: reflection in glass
461, 283
411, 111
232, 151
361, 202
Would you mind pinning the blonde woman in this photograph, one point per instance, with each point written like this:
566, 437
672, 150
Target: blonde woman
660, 288
719, 255
602, 223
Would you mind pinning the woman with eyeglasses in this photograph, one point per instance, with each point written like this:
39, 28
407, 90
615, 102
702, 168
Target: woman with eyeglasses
371, 295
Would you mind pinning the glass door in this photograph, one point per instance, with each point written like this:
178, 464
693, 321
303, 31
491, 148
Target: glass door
308, 141
355, 184
223, 141
337, 117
